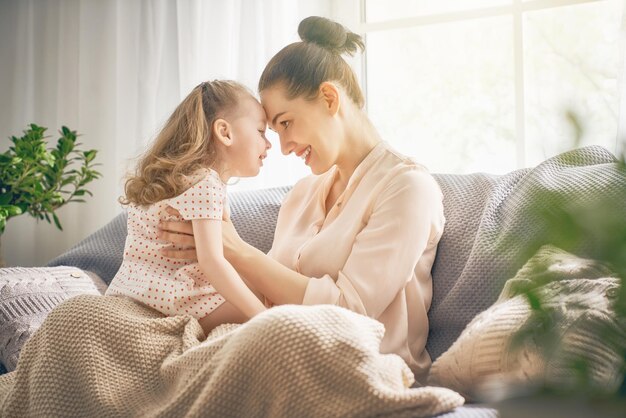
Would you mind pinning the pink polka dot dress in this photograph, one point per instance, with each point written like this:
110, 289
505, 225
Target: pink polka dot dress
174, 287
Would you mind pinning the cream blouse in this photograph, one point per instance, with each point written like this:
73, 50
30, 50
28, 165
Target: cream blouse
374, 251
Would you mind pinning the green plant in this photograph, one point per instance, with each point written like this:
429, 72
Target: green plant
38, 180
601, 222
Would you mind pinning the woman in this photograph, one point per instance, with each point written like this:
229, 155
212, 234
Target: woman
362, 231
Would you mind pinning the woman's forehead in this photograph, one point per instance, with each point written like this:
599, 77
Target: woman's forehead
275, 100
273, 96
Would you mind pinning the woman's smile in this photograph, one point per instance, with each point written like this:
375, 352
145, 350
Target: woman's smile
305, 154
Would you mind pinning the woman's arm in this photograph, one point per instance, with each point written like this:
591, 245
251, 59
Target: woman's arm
395, 245
222, 275
278, 283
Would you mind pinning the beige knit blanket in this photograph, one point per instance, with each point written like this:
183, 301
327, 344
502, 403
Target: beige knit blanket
111, 357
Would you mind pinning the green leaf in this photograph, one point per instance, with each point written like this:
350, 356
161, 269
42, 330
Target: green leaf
68, 180
14, 211
56, 221
69, 134
48, 158
6, 198
66, 146
90, 155
533, 300
8, 211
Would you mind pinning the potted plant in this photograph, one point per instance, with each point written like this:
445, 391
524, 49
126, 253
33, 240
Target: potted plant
38, 181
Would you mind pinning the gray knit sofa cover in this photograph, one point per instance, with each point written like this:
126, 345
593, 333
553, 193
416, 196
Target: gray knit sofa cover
492, 226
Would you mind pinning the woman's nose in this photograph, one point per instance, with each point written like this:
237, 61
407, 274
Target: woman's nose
286, 147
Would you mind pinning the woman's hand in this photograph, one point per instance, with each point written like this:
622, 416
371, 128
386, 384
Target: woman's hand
180, 234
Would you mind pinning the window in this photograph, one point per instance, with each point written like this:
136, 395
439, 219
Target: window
492, 85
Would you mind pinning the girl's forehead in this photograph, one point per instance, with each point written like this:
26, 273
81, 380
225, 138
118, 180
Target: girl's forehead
250, 107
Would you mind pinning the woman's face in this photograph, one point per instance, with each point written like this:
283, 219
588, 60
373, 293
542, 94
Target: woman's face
305, 128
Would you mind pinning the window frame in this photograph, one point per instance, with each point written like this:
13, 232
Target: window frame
515, 9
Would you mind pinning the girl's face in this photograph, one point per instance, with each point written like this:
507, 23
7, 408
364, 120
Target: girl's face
305, 127
244, 157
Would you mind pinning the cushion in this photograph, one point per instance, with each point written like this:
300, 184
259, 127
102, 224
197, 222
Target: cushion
512, 347
101, 252
27, 295
494, 224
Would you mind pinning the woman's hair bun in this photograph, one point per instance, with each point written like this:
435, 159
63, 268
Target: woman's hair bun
329, 35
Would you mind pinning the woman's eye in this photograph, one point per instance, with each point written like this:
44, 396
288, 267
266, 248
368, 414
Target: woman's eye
285, 123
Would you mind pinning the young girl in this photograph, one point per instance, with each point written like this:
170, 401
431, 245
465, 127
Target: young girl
218, 131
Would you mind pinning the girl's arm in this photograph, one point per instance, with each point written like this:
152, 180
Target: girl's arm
221, 274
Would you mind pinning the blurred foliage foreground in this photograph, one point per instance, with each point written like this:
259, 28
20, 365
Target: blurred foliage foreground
598, 226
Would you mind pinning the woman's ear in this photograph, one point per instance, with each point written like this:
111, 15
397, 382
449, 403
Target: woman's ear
329, 93
221, 131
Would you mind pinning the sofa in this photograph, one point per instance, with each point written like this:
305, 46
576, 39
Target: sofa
494, 223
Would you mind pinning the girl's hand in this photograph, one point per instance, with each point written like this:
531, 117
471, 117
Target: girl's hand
180, 234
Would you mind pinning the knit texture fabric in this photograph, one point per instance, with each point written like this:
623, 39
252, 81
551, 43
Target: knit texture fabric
27, 295
506, 347
288, 361
494, 224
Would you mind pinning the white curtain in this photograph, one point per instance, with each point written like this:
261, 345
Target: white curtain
114, 70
